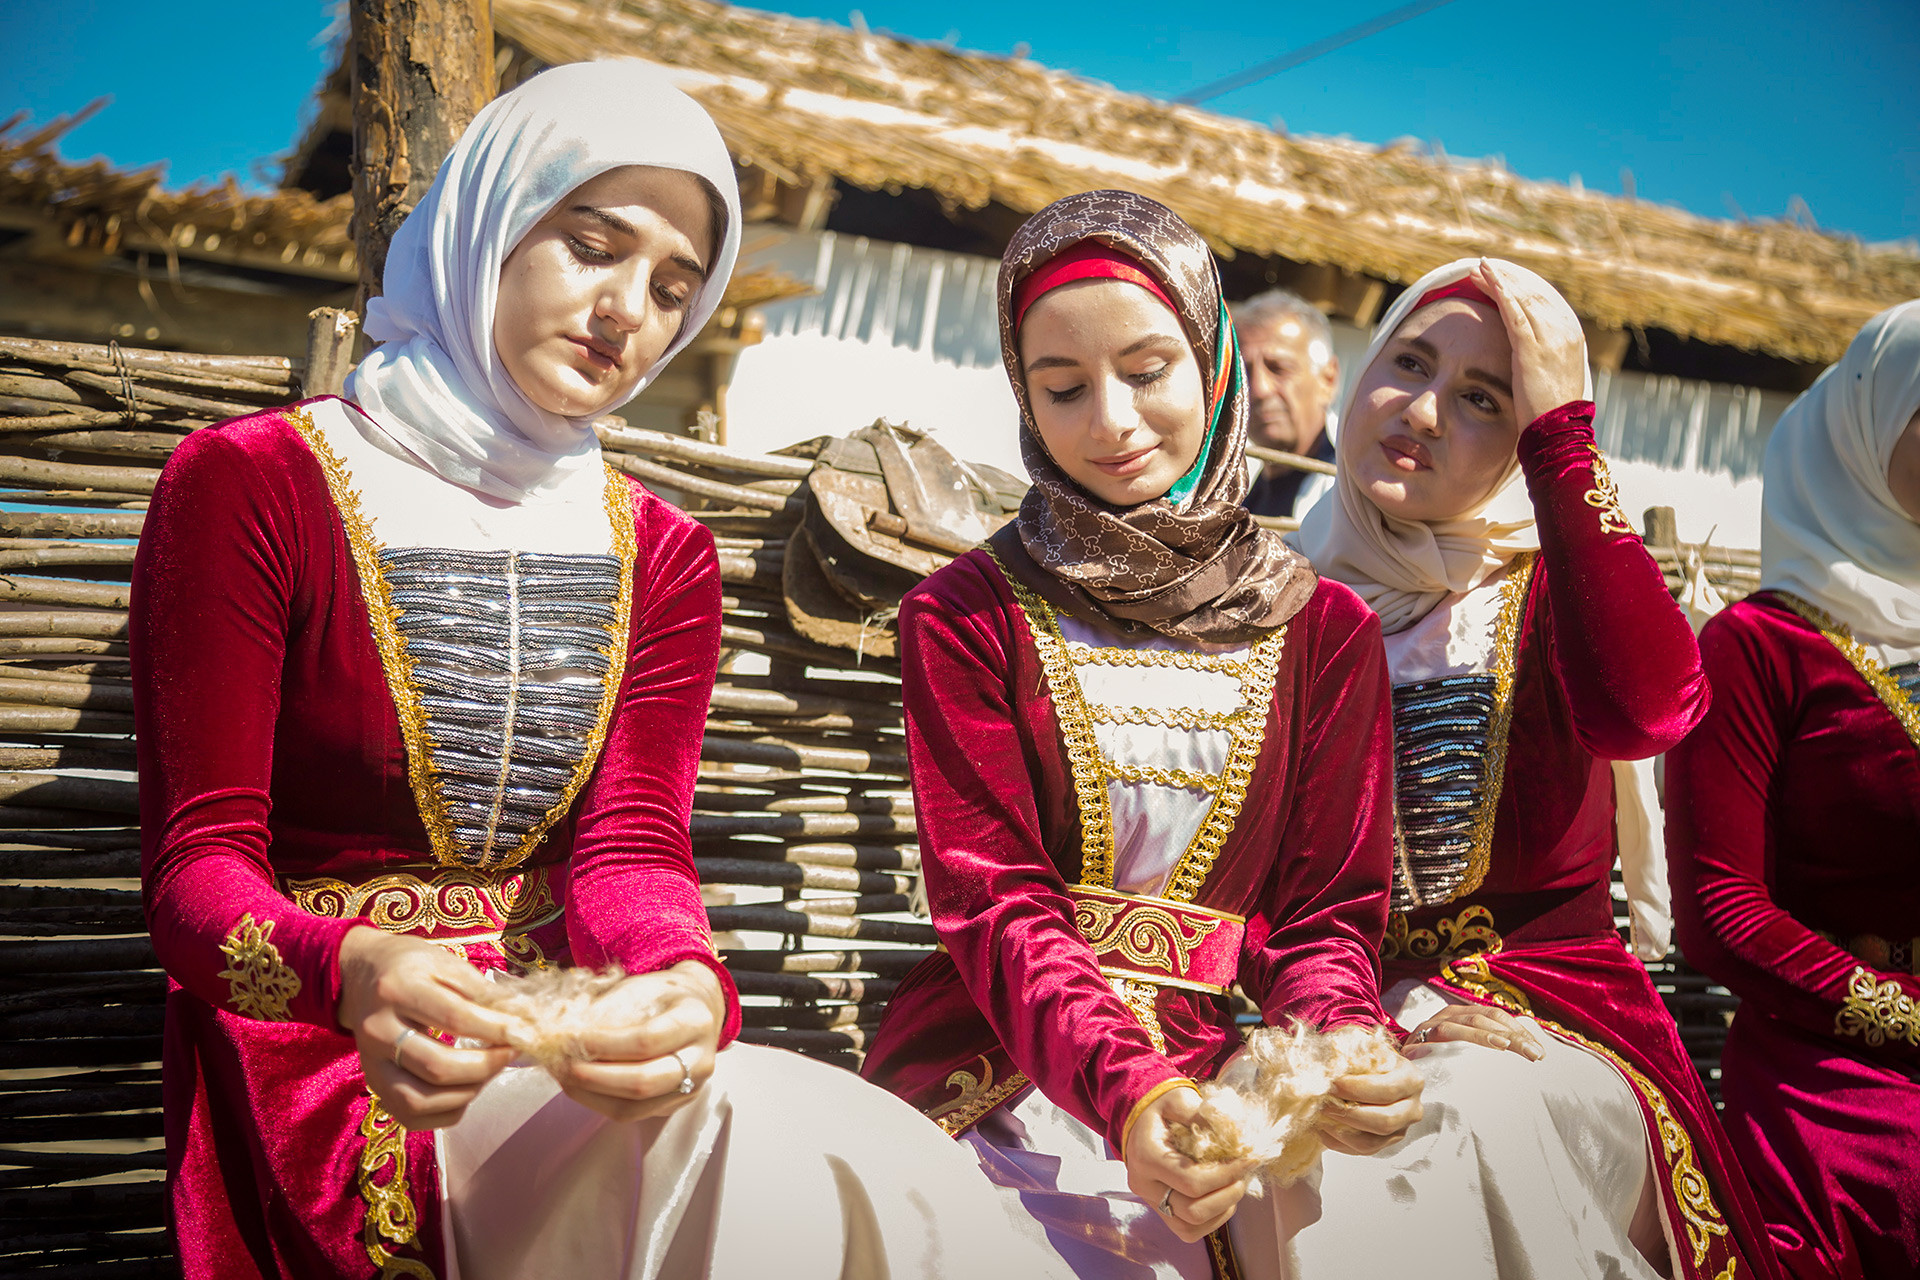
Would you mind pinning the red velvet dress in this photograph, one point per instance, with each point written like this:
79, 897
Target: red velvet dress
1018, 994
274, 767
1793, 816
1603, 667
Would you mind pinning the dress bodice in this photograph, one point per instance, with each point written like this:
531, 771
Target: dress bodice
1441, 731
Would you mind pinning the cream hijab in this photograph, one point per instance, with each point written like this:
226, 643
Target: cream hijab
1403, 568
435, 384
1830, 531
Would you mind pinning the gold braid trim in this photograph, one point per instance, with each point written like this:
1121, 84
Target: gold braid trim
383, 616
1469, 932
978, 1095
1256, 690
1884, 686
391, 1218
1604, 497
1877, 1011
1190, 779
1700, 1216
260, 984
1191, 719
1182, 659
1506, 646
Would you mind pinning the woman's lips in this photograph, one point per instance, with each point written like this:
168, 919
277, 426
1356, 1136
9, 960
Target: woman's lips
1125, 464
1406, 454
601, 355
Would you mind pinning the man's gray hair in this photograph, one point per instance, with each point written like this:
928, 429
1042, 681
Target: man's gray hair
1278, 304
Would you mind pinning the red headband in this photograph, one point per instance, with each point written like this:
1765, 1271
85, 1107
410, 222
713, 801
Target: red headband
1088, 260
1464, 287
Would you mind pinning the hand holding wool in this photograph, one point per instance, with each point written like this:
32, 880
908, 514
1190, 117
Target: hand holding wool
1267, 1104
550, 1012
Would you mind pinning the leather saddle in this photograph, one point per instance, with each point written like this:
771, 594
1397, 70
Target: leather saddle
883, 508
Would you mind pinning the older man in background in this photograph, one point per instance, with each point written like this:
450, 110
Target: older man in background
1291, 376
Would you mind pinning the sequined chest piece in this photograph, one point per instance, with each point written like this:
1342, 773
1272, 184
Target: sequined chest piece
510, 660
1441, 730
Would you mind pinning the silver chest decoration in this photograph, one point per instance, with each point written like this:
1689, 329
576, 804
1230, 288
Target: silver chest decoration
1907, 676
510, 662
1440, 733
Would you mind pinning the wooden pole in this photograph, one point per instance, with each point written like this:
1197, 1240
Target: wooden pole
421, 70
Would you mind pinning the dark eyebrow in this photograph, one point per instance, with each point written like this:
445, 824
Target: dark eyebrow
685, 262
1493, 380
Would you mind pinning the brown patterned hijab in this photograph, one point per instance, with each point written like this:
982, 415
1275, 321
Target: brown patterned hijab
1201, 569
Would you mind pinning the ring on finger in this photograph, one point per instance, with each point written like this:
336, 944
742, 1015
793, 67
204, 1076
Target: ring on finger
1166, 1203
686, 1072
1423, 1035
402, 1039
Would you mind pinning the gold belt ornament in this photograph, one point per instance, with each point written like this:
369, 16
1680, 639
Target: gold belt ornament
1158, 941
444, 905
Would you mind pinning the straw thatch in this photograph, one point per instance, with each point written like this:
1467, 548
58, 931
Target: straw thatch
809, 100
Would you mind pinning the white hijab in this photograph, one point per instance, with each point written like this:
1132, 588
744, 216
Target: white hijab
435, 384
1403, 568
1830, 531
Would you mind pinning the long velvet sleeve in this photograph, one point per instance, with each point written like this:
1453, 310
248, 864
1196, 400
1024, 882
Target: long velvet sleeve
1622, 648
1311, 949
634, 896
212, 588
1723, 783
996, 899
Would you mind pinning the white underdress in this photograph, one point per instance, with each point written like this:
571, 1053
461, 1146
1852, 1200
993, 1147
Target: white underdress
776, 1166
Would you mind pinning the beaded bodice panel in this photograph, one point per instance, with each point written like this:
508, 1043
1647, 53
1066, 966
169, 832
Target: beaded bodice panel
508, 650
1907, 676
1441, 732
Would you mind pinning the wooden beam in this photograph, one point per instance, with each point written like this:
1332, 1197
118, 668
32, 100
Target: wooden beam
421, 70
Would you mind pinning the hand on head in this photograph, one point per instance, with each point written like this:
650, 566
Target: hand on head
1194, 1198
1549, 349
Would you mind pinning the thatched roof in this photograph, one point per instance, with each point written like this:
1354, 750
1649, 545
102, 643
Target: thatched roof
97, 207
813, 100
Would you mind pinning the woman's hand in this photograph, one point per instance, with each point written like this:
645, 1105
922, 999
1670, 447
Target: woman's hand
1475, 1024
1370, 1112
632, 1072
397, 994
1549, 350
1203, 1196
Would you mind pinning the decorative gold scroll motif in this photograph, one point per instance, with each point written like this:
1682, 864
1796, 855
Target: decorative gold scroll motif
445, 900
1139, 997
260, 984
1884, 686
1506, 645
383, 617
1467, 933
1143, 934
391, 1218
978, 1095
1877, 1011
1700, 1216
1605, 497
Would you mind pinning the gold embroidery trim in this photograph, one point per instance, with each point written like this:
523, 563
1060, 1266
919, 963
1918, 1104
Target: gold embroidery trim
1139, 996
391, 1218
1604, 497
1467, 933
260, 984
383, 617
1256, 672
1146, 935
402, 902
1506, 646
1877, 1011
1700, 1216
1147, 1099
1884, 686
978, 1095
1191, 719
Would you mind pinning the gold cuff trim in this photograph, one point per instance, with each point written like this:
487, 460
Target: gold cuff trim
383, 618
260, 984
1147, 1099
1884, 686
978, 1095
391, 1217
1877, 1011
1161, 980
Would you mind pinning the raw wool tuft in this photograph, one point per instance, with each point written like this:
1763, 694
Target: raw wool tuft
1266, 1105
550, 1011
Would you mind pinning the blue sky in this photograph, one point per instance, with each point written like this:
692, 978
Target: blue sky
1715, 106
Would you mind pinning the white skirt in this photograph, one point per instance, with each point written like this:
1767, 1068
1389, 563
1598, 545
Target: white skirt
779, 1166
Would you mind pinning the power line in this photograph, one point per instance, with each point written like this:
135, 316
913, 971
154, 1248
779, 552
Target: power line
1308, 52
